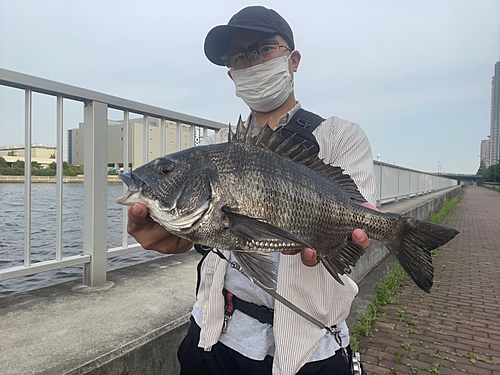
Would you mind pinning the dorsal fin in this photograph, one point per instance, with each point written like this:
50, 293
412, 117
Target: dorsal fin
266, 138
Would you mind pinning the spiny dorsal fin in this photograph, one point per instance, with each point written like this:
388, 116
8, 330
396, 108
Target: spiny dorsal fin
266, 138
240, 130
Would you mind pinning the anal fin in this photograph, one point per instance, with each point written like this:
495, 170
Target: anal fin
340, 259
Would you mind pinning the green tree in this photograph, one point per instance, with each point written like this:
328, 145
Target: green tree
3, 163
11, 153
35, 165
482, 168
12, 172
492, 174
52, 156
53, 166
19, 164
44, 172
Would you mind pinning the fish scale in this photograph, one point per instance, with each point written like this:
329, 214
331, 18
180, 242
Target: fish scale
261, 193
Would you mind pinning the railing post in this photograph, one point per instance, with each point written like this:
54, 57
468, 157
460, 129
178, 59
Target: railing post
27, 177
145, 141
125, 170
379, 192
59, 178
95, 187
397, 196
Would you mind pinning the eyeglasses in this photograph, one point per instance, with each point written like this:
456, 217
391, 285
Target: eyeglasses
264, 50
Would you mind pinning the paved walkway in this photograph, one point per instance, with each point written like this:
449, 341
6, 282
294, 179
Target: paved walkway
455, 329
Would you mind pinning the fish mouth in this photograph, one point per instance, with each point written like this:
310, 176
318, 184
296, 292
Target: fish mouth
134, 184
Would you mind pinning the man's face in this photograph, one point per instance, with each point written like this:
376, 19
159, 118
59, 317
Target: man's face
245, 39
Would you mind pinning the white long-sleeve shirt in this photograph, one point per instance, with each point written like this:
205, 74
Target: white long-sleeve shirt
292, 341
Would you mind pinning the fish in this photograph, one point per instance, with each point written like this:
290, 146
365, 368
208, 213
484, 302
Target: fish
262, 192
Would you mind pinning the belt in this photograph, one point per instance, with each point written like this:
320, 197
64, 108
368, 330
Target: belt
261, 313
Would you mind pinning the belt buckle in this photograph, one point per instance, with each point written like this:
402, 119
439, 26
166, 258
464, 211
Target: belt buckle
227, 318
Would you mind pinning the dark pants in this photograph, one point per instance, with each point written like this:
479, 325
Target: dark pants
225, 361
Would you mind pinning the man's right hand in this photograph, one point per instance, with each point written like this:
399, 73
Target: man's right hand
151, 235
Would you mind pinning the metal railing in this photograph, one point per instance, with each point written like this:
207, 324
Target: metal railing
96, 105
395, 183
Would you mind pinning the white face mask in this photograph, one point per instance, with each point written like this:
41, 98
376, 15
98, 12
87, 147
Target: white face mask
264, 87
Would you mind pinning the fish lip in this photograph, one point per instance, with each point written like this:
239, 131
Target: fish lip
129, 179
134, 184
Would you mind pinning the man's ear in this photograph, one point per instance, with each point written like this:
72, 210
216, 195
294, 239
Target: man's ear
229, 74
295, 58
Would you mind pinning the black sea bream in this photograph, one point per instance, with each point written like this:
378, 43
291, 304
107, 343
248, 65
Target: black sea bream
261, 193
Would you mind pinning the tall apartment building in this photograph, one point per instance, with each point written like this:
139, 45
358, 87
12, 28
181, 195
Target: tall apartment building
485, 152
495, 117
75, 141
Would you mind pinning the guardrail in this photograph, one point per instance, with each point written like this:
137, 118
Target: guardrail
96, 105
395, 182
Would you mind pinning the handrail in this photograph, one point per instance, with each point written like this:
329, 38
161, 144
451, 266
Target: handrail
95, 180
393, 182
53, 88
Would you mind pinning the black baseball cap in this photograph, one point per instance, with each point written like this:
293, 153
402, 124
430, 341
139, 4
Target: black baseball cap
256, 18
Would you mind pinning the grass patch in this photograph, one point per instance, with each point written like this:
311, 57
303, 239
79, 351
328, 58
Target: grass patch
491, 188
438, 218
384, 293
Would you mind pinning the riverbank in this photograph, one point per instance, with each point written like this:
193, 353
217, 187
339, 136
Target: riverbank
50, 179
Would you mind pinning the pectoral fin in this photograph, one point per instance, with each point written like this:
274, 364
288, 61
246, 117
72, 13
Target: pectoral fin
340, 259
257, 230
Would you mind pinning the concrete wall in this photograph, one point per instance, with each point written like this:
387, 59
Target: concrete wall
153, 354
156, 353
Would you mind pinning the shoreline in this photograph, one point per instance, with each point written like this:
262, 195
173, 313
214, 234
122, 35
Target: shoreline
48, 180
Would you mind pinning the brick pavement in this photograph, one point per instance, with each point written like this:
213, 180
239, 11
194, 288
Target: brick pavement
455, 329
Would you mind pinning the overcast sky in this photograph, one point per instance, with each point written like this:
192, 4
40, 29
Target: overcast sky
415, 74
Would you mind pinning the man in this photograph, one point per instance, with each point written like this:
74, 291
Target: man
258, 47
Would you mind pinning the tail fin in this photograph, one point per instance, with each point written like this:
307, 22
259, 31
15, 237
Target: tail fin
412, 246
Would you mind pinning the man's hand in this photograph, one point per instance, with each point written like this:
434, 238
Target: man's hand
359, 236
151, 235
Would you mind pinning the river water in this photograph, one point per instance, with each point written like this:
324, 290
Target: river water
43, 232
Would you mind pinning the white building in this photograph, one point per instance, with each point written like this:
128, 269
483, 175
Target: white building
485, 152
43, 155
495, 116
75, 140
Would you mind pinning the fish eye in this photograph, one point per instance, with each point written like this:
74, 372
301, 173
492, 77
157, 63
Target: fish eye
165, 169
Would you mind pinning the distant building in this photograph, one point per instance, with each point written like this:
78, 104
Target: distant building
43, 155
75, 140
485, 152
495, 116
